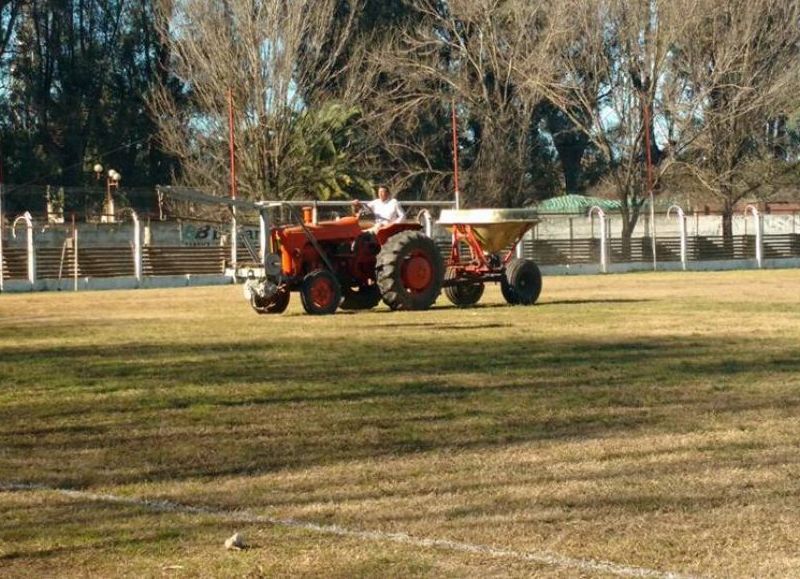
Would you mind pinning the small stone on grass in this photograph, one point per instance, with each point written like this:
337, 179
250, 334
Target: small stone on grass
236, 542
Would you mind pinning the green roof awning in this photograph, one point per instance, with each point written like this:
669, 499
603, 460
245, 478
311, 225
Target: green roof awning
576, 204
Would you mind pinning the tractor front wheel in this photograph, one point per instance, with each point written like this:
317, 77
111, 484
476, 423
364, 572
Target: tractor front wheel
320, 293
462, 295
410, 271
521, 283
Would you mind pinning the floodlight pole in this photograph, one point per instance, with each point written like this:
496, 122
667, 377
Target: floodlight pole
759, 226
603, 250
682, 223
26, 217
263, 235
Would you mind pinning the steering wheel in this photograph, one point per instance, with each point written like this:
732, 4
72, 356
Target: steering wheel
365, 211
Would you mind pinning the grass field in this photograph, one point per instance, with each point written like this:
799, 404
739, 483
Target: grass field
648, 420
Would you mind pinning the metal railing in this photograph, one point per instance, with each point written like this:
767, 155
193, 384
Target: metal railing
143, 249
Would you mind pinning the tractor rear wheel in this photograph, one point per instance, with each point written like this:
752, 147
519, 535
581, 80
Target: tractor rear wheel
521, 283
410, 271
320, 293
462, 295
363, 297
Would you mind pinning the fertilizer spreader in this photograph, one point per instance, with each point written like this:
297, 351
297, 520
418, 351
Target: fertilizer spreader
490, 237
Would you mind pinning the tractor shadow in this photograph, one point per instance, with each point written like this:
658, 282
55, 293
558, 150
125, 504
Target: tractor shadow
592, 301
439, 326
141, 413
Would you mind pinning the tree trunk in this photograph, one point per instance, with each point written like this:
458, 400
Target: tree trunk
570, 143
630, 217
570, 157
627, 233
727, 228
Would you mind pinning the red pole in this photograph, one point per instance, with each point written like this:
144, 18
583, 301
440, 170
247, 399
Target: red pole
648, 156
232, 144
647, 145
455, 154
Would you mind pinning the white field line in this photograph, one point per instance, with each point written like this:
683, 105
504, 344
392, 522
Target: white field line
244, 516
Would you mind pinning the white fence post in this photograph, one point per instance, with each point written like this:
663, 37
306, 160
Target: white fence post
603, 249
74, 254
681, 216
234, 242
263, 230
759, 226
137, 245
26, 217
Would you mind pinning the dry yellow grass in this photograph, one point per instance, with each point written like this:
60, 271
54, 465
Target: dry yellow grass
649, 420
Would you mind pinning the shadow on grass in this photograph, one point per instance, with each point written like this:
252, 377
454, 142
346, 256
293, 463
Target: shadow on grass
592, 301
439, 326
143, 413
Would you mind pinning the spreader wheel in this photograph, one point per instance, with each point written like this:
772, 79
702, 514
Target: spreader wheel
521, 282
320, 293
462, 295
410, 271
364, 297
277, 304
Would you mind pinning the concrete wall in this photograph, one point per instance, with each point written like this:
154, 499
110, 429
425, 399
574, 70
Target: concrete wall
112, 234
581, 227
116, 283
174, 233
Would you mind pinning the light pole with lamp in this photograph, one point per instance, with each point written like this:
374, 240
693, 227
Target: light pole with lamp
112, 183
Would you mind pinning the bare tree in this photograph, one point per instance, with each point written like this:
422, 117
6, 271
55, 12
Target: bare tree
611, 69
739, 67
268, 53
469, 53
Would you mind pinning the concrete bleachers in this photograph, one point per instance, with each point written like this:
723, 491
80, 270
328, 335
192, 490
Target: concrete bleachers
117, 261
179, 260
15, 263
105, 261
48, 262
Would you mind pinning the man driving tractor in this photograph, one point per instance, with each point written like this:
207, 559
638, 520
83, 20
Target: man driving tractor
384, 209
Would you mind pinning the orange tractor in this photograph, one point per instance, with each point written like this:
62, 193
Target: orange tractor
342, 264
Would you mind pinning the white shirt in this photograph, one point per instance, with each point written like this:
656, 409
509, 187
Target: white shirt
386, 211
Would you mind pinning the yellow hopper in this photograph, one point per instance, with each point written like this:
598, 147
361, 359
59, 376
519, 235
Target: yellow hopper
494, 229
